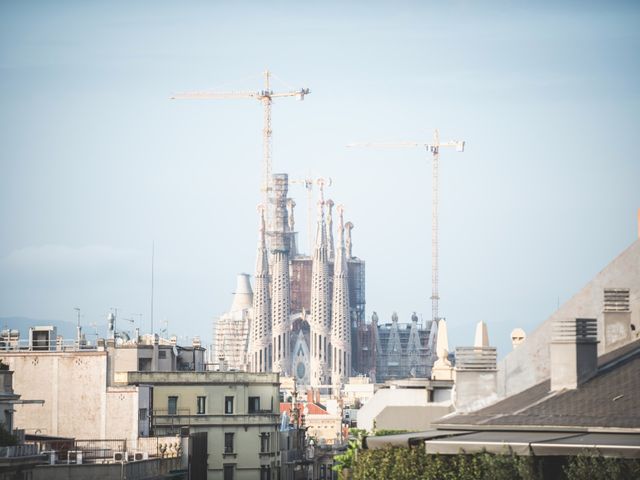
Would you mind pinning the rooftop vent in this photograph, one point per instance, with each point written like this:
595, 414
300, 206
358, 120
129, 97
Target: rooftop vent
574, 352
575, 330
616, 299
476, 358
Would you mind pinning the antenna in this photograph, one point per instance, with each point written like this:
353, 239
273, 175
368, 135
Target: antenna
78, 328
153, 248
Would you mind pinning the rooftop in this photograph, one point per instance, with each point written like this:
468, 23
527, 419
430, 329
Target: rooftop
611, 399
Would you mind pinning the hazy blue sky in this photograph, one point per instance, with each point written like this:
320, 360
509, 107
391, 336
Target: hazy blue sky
96, 162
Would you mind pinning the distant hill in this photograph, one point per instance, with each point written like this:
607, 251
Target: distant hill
66, 329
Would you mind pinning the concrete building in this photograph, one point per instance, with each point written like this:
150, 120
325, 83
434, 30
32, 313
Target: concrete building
411, 404
80, 386
237, 414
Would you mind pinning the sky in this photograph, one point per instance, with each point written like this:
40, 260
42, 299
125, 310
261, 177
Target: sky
97, 164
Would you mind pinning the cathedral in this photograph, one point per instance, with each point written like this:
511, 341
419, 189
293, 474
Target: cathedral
305, 315
305, 310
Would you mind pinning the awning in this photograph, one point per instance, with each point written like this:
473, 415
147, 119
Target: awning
606, 444
408, 439
538, 443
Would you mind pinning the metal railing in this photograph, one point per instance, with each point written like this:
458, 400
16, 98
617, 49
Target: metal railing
99, 449
66, 344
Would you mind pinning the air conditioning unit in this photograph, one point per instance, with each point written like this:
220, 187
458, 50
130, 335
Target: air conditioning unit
74, 456
137, 456
120, 456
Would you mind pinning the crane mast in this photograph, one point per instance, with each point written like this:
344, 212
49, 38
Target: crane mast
266, 97
434, 149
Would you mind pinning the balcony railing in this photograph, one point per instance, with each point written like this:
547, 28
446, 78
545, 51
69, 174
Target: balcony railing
19, 451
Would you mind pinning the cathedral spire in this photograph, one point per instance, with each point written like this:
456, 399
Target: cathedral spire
320, 317
348, 227
260, 337
293, 244
340, 324
330, 247
280, 282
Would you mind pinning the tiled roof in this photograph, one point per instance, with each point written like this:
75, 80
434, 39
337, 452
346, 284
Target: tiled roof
610, 399
312, 408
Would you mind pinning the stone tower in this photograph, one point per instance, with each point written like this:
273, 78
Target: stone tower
320, 324
340, 313
280, 284
260, 336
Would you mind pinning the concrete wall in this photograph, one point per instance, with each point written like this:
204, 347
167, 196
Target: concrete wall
411, 418
77, 402
528, 364
72, 386
386, 397
474, 389
122, 413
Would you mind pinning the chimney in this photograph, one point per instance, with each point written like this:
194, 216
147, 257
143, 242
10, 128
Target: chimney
574, 352
476, 373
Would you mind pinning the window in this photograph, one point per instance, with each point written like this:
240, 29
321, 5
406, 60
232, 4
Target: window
228, 405
172, 406
254, 404
228, 472
202, 402
142, 414
264, 442
265, 473
162, 354
228, 442
144, 364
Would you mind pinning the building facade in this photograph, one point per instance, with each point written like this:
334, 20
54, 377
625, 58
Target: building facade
237, 414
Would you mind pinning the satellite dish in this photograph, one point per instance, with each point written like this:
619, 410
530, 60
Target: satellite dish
175, 351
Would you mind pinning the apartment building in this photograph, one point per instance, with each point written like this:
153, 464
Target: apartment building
235, 417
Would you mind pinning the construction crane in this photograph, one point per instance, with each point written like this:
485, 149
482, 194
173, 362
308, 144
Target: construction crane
266, 97
434, 149
308, 185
